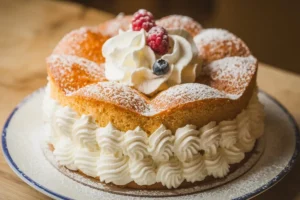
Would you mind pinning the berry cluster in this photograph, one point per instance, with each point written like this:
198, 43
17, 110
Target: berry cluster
157, 37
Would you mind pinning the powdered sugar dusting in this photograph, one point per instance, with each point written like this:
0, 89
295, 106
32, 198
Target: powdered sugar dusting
76, 36
185, 93
214, 34
65, 62
72, 72
118, 94
231, 74
214, 44
180, 22
84, 42
129, 98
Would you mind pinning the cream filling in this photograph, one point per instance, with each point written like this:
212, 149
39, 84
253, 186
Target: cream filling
121, 157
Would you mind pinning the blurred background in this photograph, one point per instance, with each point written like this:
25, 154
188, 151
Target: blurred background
271, 28
30, 29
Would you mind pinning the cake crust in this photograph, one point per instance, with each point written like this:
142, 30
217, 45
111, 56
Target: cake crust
76, 75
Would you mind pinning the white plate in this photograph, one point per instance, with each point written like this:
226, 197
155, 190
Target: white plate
23, 131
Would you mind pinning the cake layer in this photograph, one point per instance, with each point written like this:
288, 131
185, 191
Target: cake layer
220, 95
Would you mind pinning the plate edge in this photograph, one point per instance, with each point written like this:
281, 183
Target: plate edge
52, 194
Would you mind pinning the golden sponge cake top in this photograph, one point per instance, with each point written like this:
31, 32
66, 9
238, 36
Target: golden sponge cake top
76, 69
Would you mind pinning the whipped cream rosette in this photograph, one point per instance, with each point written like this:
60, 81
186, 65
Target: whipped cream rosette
129, 60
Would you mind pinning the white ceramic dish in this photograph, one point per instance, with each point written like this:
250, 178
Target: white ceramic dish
21, 145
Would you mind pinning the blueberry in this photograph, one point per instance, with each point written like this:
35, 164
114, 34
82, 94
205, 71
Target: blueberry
160, 67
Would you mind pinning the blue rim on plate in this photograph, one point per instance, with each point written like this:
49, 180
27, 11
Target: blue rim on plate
50, 193
11, 162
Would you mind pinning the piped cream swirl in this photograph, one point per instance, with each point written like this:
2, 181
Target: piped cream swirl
228, 130
86, 161
110, 140
84, 133
217, 165
64, 119
161, 144
113, 169
64, 153
170, 173
209, 138
187, 143
143, 171
135, 144
234, 154
195, 169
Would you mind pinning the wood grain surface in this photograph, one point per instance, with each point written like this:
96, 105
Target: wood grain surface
29, 31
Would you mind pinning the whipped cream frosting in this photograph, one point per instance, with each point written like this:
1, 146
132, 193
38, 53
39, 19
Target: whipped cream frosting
217, 165
190, 154
129, 60
143, 172
114, 169
135, 144
161, 144
84, 134
170, 173
187, 143
109, 139
194, 170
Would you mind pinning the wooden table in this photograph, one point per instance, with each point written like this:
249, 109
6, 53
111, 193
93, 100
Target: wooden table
29, 31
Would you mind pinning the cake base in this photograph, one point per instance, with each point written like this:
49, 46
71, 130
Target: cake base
158, 190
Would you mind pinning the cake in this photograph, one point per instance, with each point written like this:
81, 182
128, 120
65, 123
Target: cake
144, 103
